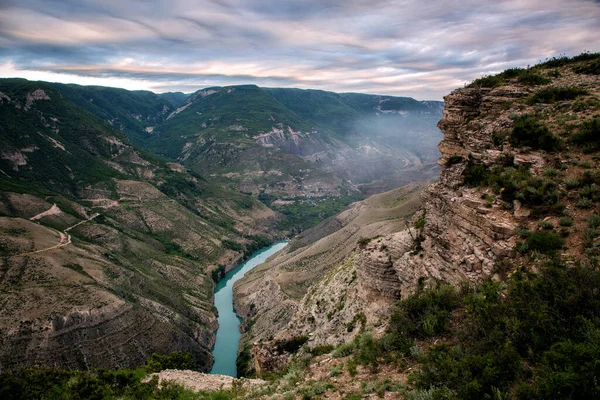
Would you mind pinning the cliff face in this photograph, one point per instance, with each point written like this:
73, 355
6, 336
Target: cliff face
517, 156
463, 234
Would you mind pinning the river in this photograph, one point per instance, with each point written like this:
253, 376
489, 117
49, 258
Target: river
228, 334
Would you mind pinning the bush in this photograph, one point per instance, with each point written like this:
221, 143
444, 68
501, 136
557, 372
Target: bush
545, 242
320, 350
475, 174
291, 345
175, 360
588, 135
566, 221
528, 77
423, 315
363, 242
528, 131
47, 383
584, 202
344, 350
453, 160
230, 244
535, 337
591, 68
554, 94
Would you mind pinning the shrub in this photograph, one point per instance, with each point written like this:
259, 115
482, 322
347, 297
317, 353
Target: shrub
424, 315
584, 202
291, 345
475, 174
175, 360
230, 244
572, 183
528, 131
591, 68
454, 160
588, 135
528, 77
344, 350
363, 242
545, 242
566, 221
554, 94
336, 370
488, 81
594, 221
320, 350
547, 225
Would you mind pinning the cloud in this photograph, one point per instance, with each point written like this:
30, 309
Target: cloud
401, 47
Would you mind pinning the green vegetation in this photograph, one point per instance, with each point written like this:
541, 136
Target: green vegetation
554, 94
175, 360
537, 336
588, 135
544, 242
94, 385
590, 68
303, 214
525, 76
511, 183
562, 61
291, 345
423, 315
49, 383
528, 131
218, 273
454, 160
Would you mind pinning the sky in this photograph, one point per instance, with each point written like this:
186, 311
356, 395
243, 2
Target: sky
422, 49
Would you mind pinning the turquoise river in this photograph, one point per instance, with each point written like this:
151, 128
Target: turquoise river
228, 335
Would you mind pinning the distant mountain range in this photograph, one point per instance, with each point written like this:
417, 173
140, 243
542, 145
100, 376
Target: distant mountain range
280, 142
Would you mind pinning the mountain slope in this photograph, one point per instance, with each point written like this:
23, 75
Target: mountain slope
297, 143
312, 287
133, 112
107, 253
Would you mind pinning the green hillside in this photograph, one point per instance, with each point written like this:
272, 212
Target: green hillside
106, 253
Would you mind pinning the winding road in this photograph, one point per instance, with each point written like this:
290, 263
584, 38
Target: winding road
65, 238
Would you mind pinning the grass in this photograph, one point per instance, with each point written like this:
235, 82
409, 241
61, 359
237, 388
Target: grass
556, 94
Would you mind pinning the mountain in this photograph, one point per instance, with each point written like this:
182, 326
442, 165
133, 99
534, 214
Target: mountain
291, 143
108, 253
177, 99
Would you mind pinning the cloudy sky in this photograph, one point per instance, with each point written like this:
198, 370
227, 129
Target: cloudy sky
414, 48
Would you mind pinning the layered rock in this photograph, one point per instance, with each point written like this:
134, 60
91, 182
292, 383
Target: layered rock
459, 238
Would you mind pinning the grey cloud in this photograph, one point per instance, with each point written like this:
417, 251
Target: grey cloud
391, 47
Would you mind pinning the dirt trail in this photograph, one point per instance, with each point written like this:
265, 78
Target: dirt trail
65, 238
54, 210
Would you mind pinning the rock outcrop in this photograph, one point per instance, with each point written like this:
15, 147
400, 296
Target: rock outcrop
198, 381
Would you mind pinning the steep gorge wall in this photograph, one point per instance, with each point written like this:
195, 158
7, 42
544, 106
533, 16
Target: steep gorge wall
461, 239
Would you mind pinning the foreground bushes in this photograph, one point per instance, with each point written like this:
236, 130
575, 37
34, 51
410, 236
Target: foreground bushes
60, 384
50, 383
536, 336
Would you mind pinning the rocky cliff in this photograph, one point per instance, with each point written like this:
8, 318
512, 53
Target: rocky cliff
517, 174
